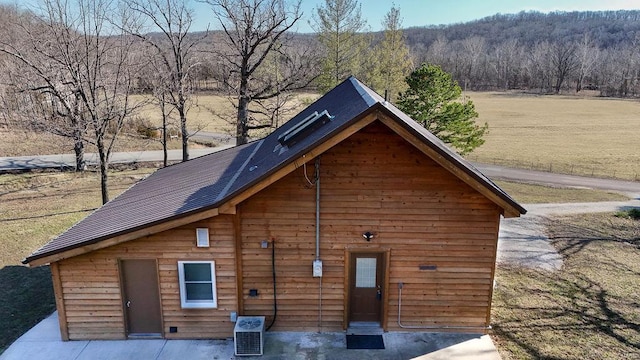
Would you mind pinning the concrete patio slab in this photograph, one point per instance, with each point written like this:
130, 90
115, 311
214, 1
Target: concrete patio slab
477, 348
130, 349
43, 342
197, 349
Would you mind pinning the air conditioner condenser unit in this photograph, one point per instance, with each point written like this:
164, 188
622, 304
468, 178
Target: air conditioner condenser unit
248, 335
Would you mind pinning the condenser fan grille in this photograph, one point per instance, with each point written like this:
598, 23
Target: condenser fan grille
249, 324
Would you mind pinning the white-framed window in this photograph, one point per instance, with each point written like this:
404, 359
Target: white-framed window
197, 284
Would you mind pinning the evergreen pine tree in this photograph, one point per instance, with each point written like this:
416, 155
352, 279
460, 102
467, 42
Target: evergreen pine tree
434, 100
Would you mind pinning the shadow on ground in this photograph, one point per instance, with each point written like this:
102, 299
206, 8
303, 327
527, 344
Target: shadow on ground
586, 310
26, 297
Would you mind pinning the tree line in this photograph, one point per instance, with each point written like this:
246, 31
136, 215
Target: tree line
547, 53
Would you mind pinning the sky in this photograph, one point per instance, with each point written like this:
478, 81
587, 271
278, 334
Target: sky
424, 12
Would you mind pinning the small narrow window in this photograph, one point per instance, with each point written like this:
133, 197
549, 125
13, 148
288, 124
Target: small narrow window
202, 237
197, 284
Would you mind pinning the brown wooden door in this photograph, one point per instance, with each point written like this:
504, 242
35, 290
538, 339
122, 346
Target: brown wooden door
366, 287
141, 297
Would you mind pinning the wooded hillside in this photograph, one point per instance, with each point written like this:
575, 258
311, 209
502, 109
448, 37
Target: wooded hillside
594, 50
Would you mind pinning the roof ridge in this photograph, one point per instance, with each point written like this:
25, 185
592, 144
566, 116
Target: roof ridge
362, 90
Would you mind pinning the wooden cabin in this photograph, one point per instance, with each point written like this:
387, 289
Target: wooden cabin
350, 213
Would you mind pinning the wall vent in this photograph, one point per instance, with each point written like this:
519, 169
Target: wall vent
304, 128
248, 335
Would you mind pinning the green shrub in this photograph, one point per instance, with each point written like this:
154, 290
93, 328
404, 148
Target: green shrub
629, 214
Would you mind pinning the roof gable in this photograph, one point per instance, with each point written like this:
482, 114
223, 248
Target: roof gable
210, 181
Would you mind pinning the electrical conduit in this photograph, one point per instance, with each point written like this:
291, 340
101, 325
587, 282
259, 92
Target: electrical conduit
317, 180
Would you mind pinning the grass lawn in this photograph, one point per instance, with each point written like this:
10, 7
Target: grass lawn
211, 113
567, 134
588, 310
216, 113
531, 194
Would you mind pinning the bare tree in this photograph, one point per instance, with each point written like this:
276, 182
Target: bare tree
506, 62
45, 51
540, 67
160, 85
587, 56
474, 50
255, 39
80, 72
437, 53
564, 62
176, 48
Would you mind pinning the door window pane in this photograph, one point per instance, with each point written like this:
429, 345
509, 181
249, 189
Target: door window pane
365, 272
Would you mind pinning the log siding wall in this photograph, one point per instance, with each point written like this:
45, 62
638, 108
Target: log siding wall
373, 181
92, 293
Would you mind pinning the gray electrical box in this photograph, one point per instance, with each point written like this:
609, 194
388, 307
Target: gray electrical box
317, 268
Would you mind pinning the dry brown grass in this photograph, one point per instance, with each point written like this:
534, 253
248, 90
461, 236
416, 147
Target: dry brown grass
216, 113
588, 310
21, 143
35, 207
211, 113
568, 134
531, 194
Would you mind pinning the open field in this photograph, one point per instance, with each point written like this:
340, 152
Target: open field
536, 194
211, 113
559, 133
34, 207
216, 113
568, 134
20, 143
588, 310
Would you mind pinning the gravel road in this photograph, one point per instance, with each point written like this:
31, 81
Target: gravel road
523, 242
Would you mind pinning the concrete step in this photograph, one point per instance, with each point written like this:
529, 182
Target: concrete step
364, 328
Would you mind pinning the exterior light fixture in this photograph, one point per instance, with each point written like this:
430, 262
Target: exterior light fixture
367, 236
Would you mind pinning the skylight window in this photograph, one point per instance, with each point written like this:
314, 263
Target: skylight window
304, 128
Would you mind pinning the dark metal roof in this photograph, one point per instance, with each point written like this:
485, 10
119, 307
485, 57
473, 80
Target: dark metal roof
209, 181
